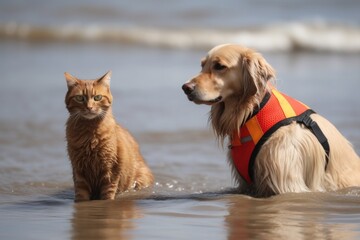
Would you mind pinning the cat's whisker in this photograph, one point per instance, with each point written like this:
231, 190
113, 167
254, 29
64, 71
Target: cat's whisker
102, 115
76, 117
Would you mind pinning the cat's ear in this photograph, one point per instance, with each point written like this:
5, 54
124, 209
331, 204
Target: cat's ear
70, 80
105, 79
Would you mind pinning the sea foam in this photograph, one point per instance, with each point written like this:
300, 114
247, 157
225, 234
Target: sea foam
287, 37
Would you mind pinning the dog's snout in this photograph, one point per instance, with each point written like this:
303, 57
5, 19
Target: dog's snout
188, 88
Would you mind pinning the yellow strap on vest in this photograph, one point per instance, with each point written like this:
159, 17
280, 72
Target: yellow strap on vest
285, 105
254, 129
253, 125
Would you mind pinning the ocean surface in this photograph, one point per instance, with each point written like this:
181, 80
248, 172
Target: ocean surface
152, 48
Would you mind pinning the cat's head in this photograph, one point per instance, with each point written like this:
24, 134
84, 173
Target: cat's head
88, 99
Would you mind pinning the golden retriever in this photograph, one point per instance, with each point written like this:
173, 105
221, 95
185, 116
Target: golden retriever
234, 80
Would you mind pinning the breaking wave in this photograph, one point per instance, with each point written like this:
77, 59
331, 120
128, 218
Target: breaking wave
287, 37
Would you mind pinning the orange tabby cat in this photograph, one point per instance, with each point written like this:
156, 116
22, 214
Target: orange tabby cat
105, 158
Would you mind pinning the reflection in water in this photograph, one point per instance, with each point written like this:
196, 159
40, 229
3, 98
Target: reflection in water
293, 216
104, 219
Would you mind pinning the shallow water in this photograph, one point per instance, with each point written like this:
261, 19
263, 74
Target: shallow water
194, 196
218, 215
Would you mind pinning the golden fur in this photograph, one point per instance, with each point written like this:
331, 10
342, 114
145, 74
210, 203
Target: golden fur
234, 80
104, 156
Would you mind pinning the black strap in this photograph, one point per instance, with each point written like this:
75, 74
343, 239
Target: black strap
315, 129
303, 118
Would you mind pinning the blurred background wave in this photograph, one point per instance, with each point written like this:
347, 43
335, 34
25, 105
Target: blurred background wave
278, 25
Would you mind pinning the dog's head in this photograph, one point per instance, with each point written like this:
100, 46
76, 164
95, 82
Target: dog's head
229, 71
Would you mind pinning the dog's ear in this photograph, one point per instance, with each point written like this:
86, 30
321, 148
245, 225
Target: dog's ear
256, 72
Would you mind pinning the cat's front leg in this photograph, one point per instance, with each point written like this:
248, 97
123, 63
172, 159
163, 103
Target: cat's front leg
108, 191
82, 190
109, 188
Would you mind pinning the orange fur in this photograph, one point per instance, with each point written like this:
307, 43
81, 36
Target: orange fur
234, 80
104, 156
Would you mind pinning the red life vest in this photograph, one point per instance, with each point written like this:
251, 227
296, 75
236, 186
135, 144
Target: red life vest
276, 110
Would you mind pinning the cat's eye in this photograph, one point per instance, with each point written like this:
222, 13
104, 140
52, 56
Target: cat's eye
80, 98
218, 66
97, 97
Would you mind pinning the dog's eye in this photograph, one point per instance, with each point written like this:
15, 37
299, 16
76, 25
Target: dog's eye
217, 66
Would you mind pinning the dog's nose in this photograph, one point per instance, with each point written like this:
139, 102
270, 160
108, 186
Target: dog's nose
188, 88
